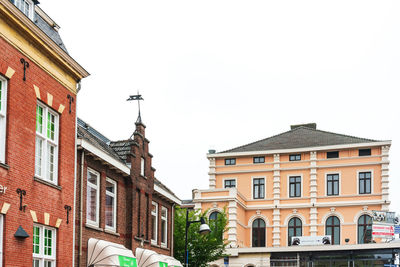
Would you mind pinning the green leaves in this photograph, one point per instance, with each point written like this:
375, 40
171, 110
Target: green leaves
202, 248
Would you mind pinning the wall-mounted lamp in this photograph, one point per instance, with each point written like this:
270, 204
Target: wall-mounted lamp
26, 65
68, 209
21, 194
347, 240
21, 233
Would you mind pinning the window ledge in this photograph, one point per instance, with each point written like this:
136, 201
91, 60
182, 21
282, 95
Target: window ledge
141, 239
94, 227
40, 180
4, 166
111, 232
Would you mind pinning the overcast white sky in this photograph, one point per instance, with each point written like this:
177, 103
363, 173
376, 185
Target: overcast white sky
219, 74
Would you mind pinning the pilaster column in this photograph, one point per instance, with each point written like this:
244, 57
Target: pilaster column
211, 173
385, 177
276, 237
313, 193
232, 224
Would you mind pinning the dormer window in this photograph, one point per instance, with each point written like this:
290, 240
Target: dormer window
26, 6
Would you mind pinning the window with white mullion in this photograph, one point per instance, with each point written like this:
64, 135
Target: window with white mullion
3, 114
93, 197
154, 222
164, 226
46, 151
26, 6
111, 205
44, 246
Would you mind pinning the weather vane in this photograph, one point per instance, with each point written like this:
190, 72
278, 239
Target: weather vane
137, 97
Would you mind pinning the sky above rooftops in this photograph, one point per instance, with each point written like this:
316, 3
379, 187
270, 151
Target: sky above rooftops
220, 74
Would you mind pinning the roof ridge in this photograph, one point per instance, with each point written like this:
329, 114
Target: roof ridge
345, 135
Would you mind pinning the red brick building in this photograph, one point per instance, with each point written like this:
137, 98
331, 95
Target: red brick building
118, 198
38, 87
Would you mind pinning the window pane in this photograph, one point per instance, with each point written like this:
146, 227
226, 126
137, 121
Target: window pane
50, 126
297, 190
362, 190
38, 156
291, 190
36, 240
92, 178
154, 225
91, 203
368, 186
336, 188
110, 187
110, 211
51, 162
163, 227
39, 119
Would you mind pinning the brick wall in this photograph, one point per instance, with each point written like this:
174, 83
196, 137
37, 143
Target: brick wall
20, 159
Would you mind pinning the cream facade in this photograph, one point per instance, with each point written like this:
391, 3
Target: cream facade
304, 182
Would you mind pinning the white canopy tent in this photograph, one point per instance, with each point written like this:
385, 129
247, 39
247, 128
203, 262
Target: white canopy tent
150, 258
106, 254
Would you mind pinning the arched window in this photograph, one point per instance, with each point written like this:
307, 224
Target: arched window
214, 215
364, 229
294, 229
258, 233
214, 224
332, 228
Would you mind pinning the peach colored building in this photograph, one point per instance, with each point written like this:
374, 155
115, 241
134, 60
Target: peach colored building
304, 182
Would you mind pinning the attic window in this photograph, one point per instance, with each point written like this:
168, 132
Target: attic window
364, 152
26, 6
295, 157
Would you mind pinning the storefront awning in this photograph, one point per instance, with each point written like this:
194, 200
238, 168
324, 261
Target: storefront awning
150, 258
107, 254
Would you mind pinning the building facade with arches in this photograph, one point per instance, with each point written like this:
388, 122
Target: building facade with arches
303, 182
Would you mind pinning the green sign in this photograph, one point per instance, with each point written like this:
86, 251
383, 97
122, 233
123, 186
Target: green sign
127, 261
163, 264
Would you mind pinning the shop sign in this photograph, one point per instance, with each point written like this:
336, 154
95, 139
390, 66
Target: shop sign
311, 240
397, 229
127, 261
384, 217
163, 264
382, 231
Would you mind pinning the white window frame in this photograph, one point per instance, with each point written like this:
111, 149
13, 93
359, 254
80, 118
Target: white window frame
3, 119
301, 185
41, 257
46, 142
358, 182
164, 218
97, 187
252, 187
1, 239
142, 166
114, 196
155, 231
20, 4
326, 183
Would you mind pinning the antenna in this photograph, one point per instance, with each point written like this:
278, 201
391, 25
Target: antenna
137, 97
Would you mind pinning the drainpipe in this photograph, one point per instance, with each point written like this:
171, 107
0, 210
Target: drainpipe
81, 208
74, 204
172, 229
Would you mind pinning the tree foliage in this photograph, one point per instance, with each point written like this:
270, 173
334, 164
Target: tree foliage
202, 248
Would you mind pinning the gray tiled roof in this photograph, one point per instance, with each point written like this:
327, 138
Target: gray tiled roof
300, 137
49, 31
122, 148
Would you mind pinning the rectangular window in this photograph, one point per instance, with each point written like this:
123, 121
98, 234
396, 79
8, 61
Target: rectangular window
3, 119
332, 184
364, 152
230, 161
154, 222
142, 167
364, 182
164, 225
44, 246
93, 197
139, 216
332, 154
258, 160
26, 6
258, 188
295, 157
295, 186
111, 204
229, 183
46, 148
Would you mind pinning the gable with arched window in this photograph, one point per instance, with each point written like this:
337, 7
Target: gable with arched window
332, 228
364, 229
294, 229
258, 233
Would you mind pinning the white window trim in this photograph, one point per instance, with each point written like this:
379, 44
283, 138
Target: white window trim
164, 244
301, 185
31, 9
223, 182
326, 183
46, 141
358, 181
114, 195
252, 187
3, 118
155, 231
41, 255
97, 187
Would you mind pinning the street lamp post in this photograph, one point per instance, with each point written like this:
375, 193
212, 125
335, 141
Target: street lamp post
204, 229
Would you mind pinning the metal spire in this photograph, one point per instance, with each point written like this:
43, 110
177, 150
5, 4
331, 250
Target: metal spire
137, 97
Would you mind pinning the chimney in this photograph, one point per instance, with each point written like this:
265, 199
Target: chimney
307, 125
